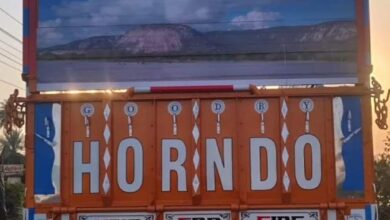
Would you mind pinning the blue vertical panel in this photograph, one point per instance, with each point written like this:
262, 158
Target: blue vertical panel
47, 152
30, 214
371, 212
44, 153
368, 212
352, 149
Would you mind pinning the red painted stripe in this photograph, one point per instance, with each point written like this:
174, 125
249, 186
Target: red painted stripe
178, 89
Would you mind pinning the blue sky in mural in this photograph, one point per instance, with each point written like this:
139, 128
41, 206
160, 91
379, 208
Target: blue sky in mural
77, 19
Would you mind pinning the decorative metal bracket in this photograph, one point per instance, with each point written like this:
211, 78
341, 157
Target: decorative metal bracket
380, 107
15, 111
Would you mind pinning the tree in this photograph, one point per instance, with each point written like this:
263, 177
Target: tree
382, 170
3, 212
10, 144
13, 141
15, 196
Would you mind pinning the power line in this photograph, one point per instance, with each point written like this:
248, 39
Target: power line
11, 54
12, 17
10, 66
9, 45
9, 58
10, 35
11, 84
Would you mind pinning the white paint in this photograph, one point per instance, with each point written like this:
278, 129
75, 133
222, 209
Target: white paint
214, 160
195, 133
87, 110
130, 109
286, 181
303, 141
56, 172
220, 161
107, 158
25, 214
136, 146
256, 144
285, 133
107, 134
222, 215
168, 165
174, 108
65, 217
374, 212
282, 214
357, 214
107, 112
218, 106
196, 109
261, 106
195, 183
115, 215
40, 217
144, 86
284, 109
332, 214
338, 111
106, 183
306, 105
80, 168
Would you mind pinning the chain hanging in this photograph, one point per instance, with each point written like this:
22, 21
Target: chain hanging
380, 107
15, 111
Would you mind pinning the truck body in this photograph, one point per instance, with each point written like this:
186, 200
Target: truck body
165, 125
280, 153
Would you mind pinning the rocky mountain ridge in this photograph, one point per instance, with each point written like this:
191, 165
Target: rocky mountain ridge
173, 40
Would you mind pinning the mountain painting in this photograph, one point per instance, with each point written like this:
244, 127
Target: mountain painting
92, 44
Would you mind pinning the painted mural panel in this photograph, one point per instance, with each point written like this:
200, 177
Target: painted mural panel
348, 136
89, 44
47, 183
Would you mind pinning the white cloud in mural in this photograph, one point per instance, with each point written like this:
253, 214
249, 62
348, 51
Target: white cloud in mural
254, 20
103, 12
47, 35
192, 10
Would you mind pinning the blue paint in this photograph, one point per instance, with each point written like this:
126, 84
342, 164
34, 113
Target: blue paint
368, 212
366, 5
26, 69
353, 149
44, 153
26, 22
31, 213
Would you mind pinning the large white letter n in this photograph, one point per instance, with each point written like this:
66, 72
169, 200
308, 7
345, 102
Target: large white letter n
214, 162
80, 168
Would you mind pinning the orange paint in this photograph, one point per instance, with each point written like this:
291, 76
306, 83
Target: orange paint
239, 122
